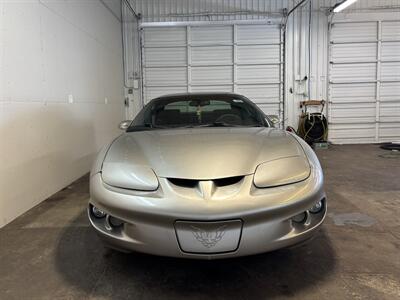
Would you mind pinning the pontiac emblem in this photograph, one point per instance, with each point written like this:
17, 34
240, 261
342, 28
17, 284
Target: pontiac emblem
208, 238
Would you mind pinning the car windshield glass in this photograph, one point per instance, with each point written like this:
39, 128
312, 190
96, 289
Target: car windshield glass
187, 111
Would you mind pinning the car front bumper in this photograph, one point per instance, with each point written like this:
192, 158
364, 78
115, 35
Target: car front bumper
224, 222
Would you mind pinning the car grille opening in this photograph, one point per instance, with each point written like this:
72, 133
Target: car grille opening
191, 183
227, 181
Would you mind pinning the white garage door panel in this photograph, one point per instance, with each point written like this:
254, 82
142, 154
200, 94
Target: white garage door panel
390, 71
353, 92
166, 76
353, 113
390, 30
353, 133
154, 92
258, 54
212, 75
389, 132
354, 32
157, 57
217, 55
390, 91
258, 34
269, 108
390, 111
353, 72
211, 35
364, 82
258, 74
354, 52
242, 58
260, 93
164, 37
390, 50
215, 88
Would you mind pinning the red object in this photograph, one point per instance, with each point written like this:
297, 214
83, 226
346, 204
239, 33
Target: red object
290, 129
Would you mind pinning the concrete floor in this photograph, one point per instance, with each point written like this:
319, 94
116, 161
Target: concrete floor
51, 252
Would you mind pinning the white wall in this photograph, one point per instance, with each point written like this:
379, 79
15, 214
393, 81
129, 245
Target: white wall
53, 53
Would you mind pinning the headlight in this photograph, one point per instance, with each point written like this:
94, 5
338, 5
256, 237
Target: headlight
128, 176
282, 171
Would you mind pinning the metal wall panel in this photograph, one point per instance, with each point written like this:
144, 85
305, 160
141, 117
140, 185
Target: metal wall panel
223, 10
208, 10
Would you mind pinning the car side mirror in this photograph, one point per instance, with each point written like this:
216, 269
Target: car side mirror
274, 119
124, 124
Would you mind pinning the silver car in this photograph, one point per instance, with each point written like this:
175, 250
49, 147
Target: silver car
205, 176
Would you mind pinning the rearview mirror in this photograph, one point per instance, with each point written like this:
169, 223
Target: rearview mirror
274, 119
124, 124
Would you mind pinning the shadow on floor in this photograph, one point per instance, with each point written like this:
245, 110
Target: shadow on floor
86, 265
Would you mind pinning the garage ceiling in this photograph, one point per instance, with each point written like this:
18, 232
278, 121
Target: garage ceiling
242, 58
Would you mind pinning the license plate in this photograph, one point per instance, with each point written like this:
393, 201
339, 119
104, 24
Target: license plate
208, 237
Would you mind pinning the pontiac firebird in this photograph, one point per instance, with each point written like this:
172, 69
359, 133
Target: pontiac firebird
205, 176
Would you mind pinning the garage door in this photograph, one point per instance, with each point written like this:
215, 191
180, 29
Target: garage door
364, 82
245, 59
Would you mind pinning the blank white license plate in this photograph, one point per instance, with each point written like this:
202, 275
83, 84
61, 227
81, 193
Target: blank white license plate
208, 237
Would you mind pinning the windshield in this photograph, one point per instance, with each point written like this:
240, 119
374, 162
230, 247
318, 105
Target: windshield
191, 110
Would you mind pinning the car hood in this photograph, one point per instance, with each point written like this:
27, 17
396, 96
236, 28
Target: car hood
202, 153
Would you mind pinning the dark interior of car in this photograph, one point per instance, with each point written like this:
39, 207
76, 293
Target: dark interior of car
234, 116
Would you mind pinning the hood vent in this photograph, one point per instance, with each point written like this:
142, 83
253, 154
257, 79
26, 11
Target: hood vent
191, 183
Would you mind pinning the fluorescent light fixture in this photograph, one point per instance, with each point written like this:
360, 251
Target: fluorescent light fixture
343, 5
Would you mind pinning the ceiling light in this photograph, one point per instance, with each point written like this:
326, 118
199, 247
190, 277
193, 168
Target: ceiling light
343, 5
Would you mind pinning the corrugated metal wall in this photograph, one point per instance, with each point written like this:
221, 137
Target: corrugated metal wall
306, 40
204, 10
